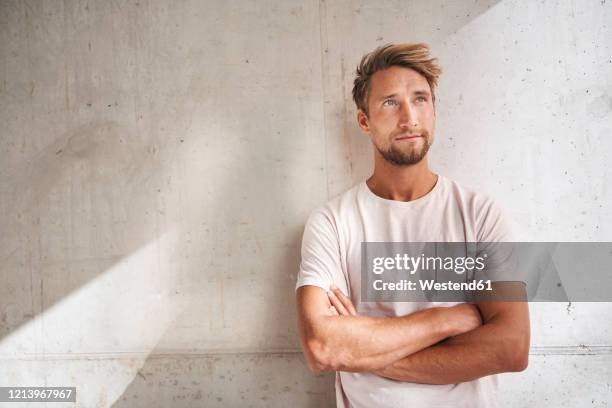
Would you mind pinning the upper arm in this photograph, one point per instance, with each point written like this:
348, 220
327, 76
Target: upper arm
320, 263
320, 267
506, 307
312, 306
516, 312
511, 322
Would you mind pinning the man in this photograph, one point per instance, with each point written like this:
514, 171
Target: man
394, 354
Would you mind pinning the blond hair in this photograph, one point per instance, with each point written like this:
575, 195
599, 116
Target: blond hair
414, 56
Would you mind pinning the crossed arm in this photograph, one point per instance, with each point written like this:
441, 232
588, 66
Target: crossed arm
442, 345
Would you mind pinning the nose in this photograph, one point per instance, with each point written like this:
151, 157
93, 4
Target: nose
408, 117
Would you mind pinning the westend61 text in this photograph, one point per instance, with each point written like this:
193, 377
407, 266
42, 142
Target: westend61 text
432, 285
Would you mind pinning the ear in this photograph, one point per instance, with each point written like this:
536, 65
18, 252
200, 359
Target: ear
362, 121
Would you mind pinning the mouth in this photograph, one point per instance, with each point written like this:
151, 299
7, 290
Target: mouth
408, 137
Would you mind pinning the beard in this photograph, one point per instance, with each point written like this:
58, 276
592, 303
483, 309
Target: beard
408, 156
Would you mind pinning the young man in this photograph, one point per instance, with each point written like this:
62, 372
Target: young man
394, 354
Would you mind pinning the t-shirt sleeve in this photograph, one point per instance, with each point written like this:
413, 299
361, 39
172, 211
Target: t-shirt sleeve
495, 239
320, 263
493, 224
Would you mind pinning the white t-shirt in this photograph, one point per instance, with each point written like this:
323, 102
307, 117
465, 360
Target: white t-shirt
331, 253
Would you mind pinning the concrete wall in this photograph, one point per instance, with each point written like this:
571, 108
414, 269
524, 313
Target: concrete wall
159, 159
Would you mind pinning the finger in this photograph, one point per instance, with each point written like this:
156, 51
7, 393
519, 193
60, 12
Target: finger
333, 311
337, 304
345, 301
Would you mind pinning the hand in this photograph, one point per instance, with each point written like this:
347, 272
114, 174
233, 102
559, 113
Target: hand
466, 318
341, 305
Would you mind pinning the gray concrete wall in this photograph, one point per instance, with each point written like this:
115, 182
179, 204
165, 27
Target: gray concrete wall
159, 159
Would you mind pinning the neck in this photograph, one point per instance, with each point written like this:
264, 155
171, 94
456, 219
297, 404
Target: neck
401, 183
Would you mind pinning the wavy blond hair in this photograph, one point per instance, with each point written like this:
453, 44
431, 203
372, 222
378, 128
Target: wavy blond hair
407, 55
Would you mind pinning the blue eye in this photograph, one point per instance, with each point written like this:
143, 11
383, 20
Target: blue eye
422, 99
391, 102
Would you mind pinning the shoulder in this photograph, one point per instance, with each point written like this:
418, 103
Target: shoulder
468, 195
335, 209
479, 202
487, 214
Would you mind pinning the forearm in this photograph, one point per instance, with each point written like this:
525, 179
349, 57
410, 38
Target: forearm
447, 363
489, 349
359, 343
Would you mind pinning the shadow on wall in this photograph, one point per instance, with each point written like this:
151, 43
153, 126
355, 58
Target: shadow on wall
238, 263
99, 194
95, 197
72, 212
265, 379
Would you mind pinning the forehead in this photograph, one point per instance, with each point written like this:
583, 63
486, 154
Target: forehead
397, 79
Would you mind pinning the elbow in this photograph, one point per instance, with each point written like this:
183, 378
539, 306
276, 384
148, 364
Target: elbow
520, 362
517, 358
317, 365
318, 357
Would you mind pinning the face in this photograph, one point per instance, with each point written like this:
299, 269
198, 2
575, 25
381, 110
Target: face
401, 116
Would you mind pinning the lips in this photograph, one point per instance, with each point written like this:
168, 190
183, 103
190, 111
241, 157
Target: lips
407, 137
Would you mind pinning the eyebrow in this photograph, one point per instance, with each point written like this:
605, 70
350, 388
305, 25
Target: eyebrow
419, 92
